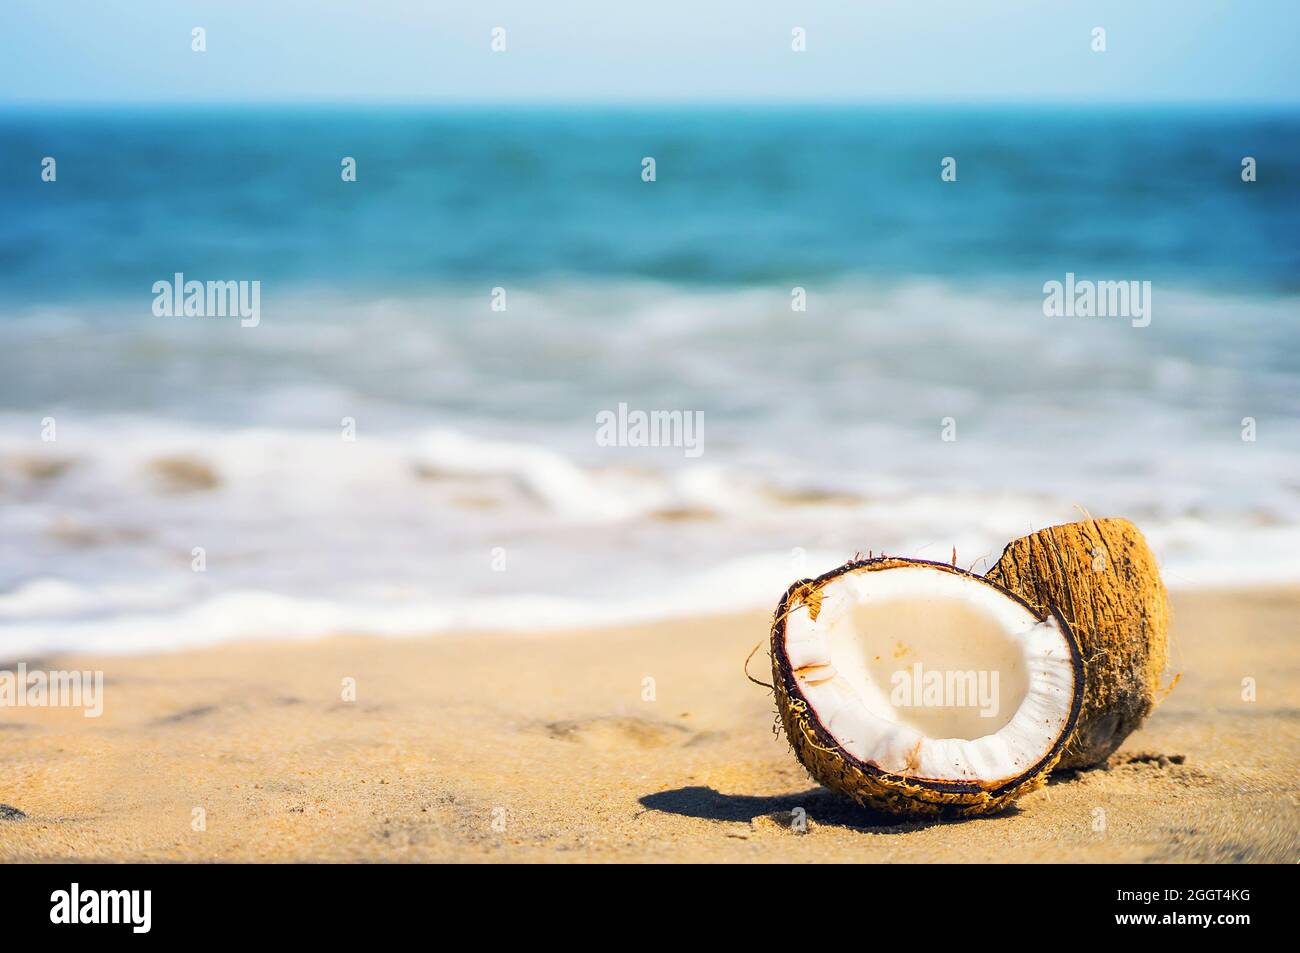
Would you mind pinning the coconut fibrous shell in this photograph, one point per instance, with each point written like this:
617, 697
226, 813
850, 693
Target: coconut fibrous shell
1103, 578
895, 793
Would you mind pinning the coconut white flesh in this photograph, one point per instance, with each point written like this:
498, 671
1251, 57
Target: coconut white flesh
856, 665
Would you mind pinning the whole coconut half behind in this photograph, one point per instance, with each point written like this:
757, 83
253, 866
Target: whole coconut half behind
1104, 579
856, 652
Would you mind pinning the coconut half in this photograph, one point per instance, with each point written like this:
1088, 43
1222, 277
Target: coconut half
917, 688
1104, 577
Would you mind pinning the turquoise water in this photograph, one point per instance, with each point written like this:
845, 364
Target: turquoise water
741, 197
475, 491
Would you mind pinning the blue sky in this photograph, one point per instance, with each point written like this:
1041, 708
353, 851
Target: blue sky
79, 51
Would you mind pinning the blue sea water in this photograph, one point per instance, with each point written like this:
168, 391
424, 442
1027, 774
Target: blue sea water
742, 197
923, 401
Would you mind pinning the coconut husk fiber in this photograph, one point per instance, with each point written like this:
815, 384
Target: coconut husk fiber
1104, 580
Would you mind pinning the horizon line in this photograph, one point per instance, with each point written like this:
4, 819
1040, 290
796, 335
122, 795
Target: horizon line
577, 103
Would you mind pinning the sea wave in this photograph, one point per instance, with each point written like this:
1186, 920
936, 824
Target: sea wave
152, 536
409, 464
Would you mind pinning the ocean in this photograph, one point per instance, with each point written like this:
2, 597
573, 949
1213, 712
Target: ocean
408, 440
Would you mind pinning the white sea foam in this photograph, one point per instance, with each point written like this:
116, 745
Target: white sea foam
475, 495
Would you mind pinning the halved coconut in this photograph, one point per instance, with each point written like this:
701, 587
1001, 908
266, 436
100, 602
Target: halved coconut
917, 688
1104, 577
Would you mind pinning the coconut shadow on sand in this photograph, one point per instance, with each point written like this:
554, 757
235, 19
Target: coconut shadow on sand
824, 809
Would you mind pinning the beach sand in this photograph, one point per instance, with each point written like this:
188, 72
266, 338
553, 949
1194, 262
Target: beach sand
541, 747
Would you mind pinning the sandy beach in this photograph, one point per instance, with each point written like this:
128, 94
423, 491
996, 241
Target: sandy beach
556, 747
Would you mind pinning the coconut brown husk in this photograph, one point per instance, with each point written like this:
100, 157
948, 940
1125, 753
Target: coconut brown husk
830, 765
1103, 578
